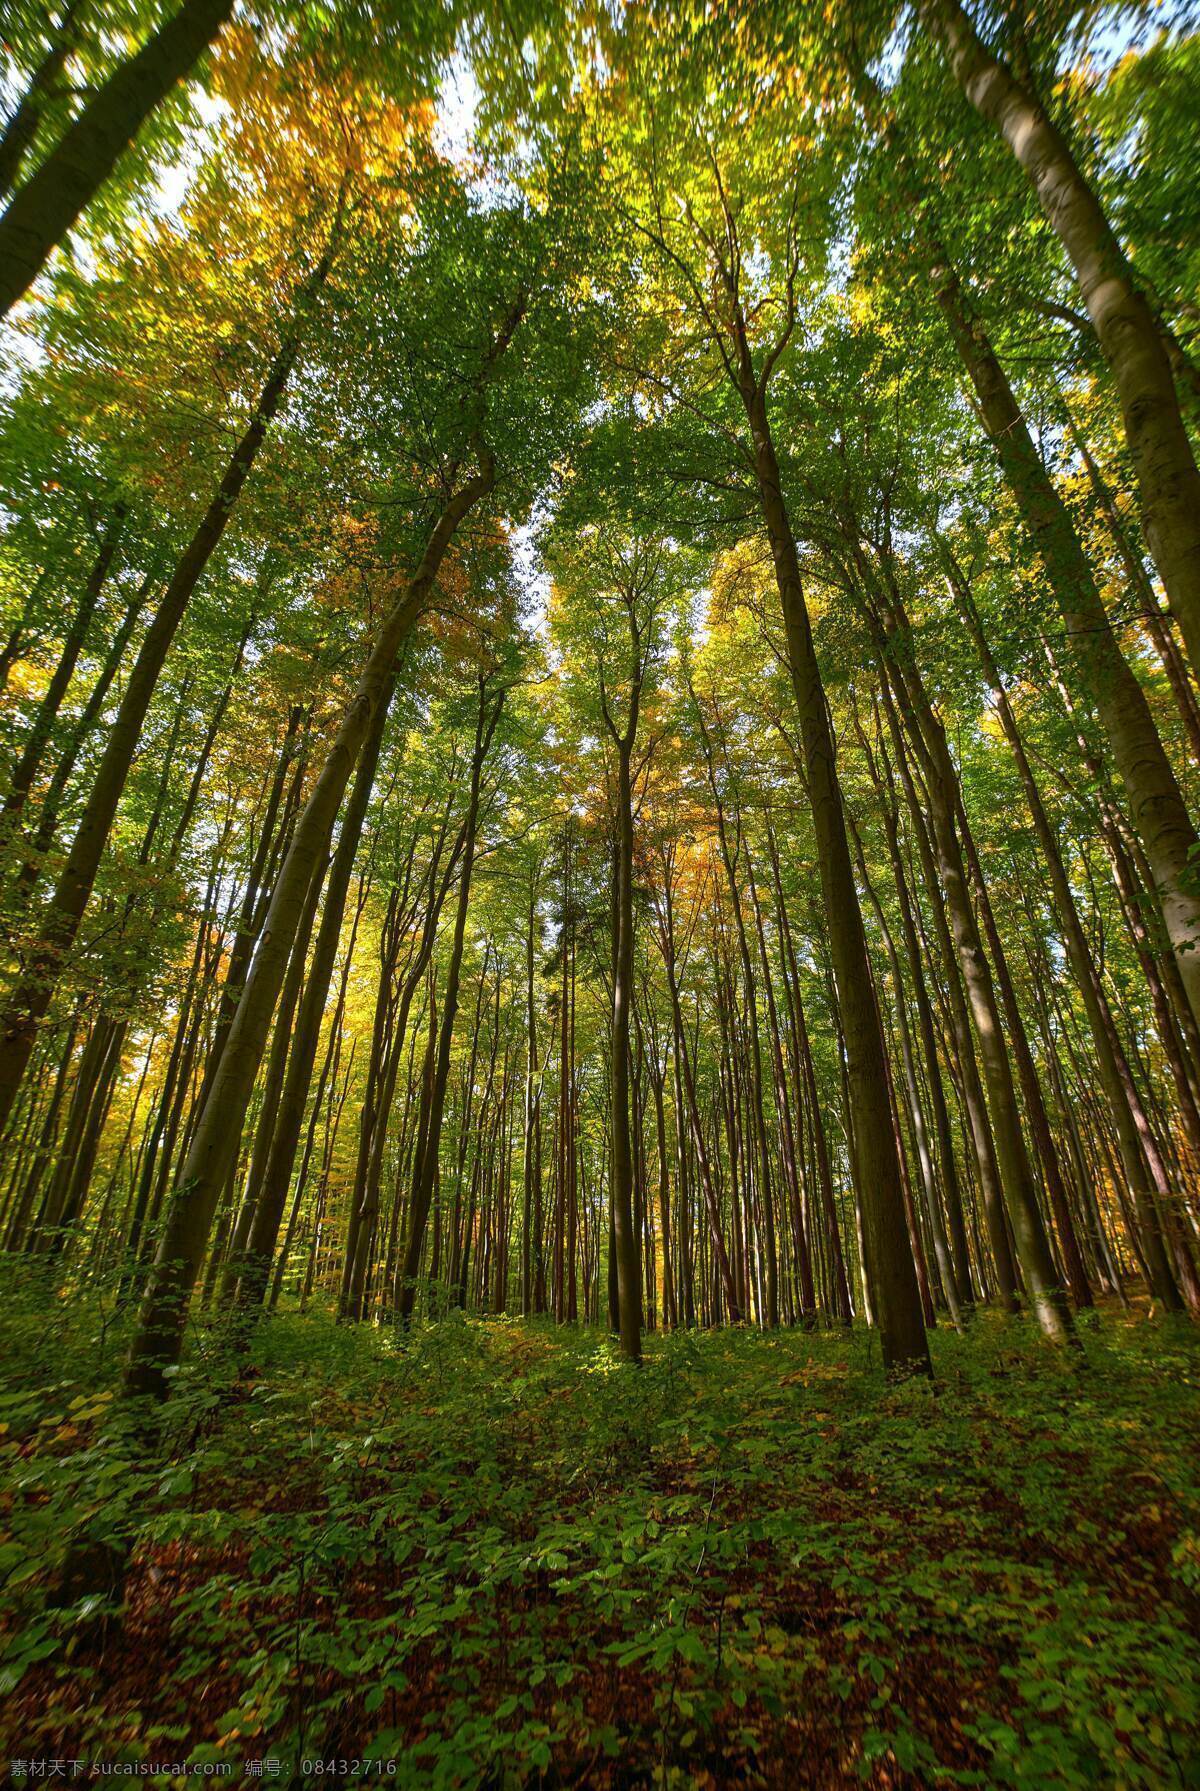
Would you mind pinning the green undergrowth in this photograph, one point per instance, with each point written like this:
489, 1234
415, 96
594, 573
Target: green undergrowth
492, 1555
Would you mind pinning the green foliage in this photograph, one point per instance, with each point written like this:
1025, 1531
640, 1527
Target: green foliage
495, 1555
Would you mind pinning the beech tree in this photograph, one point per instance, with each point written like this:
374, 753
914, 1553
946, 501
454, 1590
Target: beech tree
567, 704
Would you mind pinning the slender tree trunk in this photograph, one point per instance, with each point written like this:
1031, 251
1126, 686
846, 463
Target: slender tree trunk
769, 1314
625, 1239
427, 1162
802, 1049
1157, 806
87, 1079
48, 813
658, 1077
1020, 1194
236, 1261
893, 1277
529, 1165
937, 1094
68, 178
1157, 625
979, 1119
1125, 326
37, 739
1031, 1091
77, 1181
686, 1086
22, 127
277, 1174
31, 999
788, 1150
214, 1142
920, 1136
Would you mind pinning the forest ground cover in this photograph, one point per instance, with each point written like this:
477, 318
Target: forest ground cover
496, 1555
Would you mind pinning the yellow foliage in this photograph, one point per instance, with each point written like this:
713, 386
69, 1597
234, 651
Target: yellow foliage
28, 680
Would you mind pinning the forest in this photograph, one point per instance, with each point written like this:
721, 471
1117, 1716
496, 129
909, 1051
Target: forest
600, 892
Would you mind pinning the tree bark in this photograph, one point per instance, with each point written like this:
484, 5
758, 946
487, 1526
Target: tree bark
625, 1240
1158, 810
22, 126
1130, 340
272, 1194
427, 1161
892, 1275
33, 995
43, 210
36, 740
159, 1338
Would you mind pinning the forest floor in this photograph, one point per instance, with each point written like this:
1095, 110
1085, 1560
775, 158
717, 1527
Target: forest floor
491, 1556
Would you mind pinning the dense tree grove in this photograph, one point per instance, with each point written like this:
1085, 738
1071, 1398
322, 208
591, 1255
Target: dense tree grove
600, 624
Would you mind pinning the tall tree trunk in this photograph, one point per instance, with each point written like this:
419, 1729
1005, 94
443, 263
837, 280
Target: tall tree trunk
978, 1116
236, 1259
920, 1136
529, 1165
1157, 625
792, 1165
22, 126
32, 997
81, 1166
159, 1336
937, 1094
1126, 329
48, 814
68, 178
1020, 1193
658, 1080
425, 1175
1114, 1070
625, 1239
686, 1099
36, 740
272, 1193
893, 1277
802, 1053
769, 1314
1157, 807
